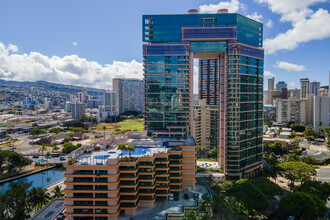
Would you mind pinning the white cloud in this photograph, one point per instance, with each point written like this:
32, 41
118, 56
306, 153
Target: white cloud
269, 23
12, 48
289, 66
255, 16
74, 43
307, 25
68, 69
292, 85
232, 6
268, 74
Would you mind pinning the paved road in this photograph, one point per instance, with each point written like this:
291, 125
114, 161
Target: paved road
323, 174
51, 211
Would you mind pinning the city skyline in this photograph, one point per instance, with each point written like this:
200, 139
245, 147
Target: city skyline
53, 44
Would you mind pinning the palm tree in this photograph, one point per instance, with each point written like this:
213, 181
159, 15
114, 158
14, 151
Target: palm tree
130, 148
192, 215
43, 147
57, 191
104, 128
121, 147
43, 197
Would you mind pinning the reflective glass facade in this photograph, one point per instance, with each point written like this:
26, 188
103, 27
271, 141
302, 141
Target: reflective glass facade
235, 42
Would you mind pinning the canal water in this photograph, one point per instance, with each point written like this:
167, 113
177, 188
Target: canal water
42, 179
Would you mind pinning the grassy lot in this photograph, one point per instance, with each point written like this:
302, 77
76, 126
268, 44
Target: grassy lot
207, 159
16, 144
130, 124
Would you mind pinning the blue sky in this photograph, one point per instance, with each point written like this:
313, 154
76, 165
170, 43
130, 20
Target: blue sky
89, 42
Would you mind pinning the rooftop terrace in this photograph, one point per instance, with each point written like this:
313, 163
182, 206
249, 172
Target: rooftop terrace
143, 148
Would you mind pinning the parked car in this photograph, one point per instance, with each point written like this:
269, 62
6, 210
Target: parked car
62, 158
35, 156
196, 196
60, 216
171, 197
186, 196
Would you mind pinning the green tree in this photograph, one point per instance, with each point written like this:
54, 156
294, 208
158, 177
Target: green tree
307, 205
192, 215
16, 202
308, 159
121, 147
56, 130
296, 172
213, 152
250, 195
55, 148
57, 192
68, 148
130, 148
35, 132
77, 130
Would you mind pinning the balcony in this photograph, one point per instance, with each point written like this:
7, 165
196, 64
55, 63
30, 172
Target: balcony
175, 169
175, 157
124, 205
83, 211
101, 187
83, 195
161, 173
145, 177
129, 183
83, 203
175, 175
83, 188
130, 190
82, 180
101, 195
101, 203
161, 159
127, 168
101, 211
83, 172
175, 187
175, 181
101, 180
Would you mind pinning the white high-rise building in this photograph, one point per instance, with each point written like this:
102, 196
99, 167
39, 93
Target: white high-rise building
289, 110
77, 108
110, 107
321, 112
129, 94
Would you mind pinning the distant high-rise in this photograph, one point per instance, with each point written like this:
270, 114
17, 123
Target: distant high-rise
110, 107
284, 93
206, 123
314, 88
271, 87
321, 112
208, 80
78, 108
129, 94
304, 88
280, 85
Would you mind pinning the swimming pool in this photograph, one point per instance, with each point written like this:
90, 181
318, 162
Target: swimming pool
138, 151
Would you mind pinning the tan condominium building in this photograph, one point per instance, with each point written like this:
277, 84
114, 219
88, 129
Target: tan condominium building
206, 123
106, 184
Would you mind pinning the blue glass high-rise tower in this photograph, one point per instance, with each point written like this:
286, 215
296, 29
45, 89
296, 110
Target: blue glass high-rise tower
172, 42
